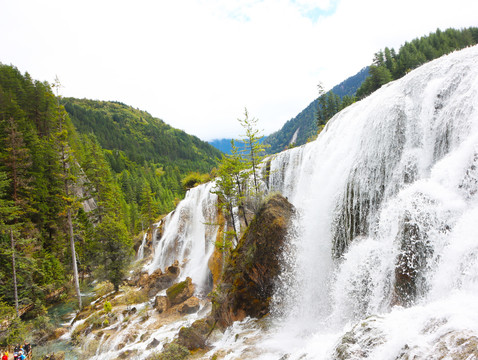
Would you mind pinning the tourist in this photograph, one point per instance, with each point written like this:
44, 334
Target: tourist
27, 348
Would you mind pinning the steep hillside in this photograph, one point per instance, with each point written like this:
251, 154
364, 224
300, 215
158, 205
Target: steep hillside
88, 178
303, 126
297, 130
139, 136
390, 64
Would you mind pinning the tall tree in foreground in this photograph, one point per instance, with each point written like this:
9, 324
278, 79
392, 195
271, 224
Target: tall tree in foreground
254, 151
228, 190
115, 249
17, 162
237, 182
7, 211
67, 164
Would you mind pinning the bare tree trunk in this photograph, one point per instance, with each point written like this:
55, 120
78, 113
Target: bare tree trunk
73, 255
64, 161
14, 273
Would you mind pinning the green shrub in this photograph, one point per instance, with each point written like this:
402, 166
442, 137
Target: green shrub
15, 334
107, 307
171, 351
194, 179
103, 288
131, 296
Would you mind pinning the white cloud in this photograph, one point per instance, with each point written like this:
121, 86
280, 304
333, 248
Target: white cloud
197, 63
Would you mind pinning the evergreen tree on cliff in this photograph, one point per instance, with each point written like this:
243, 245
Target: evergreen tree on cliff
67, 166
114, 250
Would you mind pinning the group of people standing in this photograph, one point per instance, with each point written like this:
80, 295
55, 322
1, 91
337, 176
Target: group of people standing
19, 352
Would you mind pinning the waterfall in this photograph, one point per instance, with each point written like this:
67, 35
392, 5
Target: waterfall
140, 255
386, 232
189, 236
383, 262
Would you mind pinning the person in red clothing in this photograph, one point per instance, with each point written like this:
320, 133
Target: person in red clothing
5, 355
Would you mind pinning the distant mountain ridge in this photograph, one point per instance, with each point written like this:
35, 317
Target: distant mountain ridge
300, 128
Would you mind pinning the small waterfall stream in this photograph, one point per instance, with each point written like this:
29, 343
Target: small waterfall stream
189, 236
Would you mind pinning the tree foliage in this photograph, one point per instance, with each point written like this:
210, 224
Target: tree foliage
304, 125
238, 183
102, 167
390, 65
115, 250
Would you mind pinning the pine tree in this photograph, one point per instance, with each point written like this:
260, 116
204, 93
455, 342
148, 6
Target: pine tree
230, 187
67, 163
17, 161
115, 250
148, 206
7, 214
254, 151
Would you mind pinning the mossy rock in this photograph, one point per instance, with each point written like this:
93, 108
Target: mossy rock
251, 269
191, 339
180, 292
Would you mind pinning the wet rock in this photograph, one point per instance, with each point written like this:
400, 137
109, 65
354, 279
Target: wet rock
128, 354
251, 270
180, 292
457, 345
359, 342
411, 263
216, 261
57, 333
191, 338
130, 338
161, 303
158, 280
190, 306
56, 356
153, 344
129, 312
204, 326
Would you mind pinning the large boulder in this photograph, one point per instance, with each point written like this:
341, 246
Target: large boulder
180, 292
190, 306
161, 304
191, 339
252, 267
194, 337
158, 280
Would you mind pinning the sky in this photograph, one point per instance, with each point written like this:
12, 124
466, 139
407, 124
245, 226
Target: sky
197, 64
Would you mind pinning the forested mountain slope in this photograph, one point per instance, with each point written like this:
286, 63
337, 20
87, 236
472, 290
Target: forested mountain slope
140, 136
388, 65
304, 125
89, 171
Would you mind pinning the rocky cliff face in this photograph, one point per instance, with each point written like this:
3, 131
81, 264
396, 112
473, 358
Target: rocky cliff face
251, 269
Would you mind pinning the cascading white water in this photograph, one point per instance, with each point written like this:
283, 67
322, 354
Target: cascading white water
189, 236
384, 257
388, 208
140, 254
